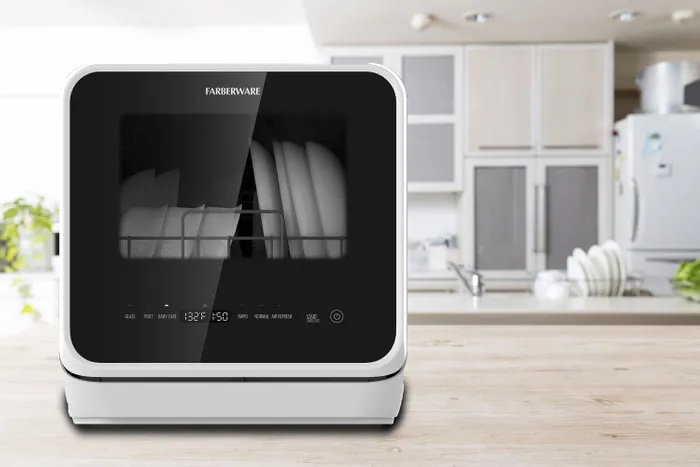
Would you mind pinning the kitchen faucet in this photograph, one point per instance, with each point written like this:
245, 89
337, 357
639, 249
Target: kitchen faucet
472, 280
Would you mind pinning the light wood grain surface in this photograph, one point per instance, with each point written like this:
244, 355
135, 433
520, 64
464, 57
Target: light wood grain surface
476, 395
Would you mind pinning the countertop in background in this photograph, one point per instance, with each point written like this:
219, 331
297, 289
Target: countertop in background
521, 308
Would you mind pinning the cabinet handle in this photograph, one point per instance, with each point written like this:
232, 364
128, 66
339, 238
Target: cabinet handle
536, 230
540, 219
541, 192
503, 148
571, 146
674, 261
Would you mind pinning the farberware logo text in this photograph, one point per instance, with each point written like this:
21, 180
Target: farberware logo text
232, 91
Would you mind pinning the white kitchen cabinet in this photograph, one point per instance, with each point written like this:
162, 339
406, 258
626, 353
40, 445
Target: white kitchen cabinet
575, 99
500, 100
433, 78
534, 122
497, 217
531, 100
520, 216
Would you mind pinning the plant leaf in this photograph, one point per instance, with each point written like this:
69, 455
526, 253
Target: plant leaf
45, 222
27, 309
9, 213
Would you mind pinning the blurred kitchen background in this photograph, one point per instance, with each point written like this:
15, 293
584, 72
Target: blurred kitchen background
514, 157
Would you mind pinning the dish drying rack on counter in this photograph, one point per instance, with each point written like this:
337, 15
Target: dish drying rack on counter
282, 238
629, 286
632, 285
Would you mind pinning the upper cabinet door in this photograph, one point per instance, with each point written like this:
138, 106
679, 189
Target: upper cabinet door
385, 56
430, 84
430, 155
433, 80
500, 99
575, 98
357, 60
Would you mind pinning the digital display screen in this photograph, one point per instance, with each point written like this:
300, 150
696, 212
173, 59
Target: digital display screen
204, 316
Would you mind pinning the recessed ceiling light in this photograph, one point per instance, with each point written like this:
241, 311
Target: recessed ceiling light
477, 17
682, 16
625, 16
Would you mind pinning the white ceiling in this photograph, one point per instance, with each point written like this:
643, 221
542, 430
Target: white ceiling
166, 13
384, 21
387, 21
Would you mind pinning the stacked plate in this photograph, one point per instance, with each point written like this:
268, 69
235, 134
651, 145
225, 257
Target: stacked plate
149, 209
307, 184
598, 272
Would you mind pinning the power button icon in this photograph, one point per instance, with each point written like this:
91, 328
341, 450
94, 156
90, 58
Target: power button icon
337, 316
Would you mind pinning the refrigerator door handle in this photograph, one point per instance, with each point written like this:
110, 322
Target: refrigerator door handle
635, 210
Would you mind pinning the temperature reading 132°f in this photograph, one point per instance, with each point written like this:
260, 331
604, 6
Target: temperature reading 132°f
195, 316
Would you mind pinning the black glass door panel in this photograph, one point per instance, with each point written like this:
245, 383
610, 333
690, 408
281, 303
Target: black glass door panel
269, 220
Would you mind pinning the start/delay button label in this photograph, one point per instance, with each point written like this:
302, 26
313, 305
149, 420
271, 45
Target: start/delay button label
337, 316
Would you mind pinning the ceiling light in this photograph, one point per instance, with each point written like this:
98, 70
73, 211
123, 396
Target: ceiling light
421, 21
626, 16
682, 16
477, 17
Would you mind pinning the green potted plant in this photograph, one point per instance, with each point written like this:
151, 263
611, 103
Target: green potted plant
26, 242
686, 280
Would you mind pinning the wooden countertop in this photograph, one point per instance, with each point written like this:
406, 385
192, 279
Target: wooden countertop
497, 395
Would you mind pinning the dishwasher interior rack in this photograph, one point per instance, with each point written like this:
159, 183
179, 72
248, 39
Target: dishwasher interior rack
283, 252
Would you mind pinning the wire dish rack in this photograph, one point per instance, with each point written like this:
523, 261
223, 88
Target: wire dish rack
632, 285
276, 246
629, 286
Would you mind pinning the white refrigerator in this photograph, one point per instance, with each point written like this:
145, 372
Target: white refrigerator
657, 194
